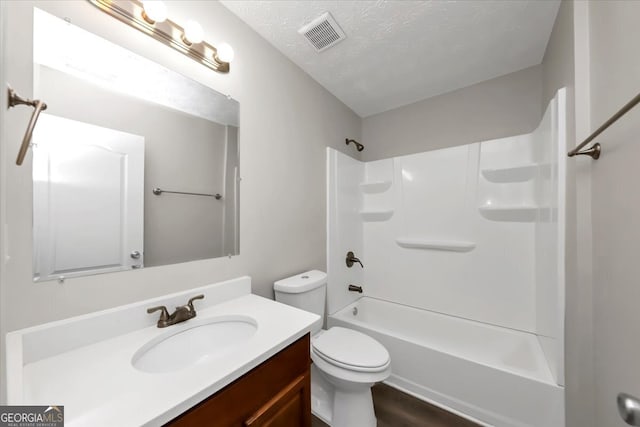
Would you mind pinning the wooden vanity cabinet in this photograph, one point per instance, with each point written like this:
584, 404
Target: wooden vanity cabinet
276, 393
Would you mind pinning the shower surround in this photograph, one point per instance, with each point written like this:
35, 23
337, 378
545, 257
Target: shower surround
463, 278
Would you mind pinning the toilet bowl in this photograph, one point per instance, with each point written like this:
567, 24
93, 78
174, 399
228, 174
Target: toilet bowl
352, 363
346, 363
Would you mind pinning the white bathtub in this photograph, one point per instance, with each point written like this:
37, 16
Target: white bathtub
492, 375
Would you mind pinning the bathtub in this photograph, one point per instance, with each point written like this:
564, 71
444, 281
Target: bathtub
492, 375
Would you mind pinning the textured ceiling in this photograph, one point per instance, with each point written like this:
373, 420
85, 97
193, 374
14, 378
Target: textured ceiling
399, 52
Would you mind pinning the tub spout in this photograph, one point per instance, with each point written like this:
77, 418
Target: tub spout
354, 288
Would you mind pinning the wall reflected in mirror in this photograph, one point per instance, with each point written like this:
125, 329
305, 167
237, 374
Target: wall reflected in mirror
119, 125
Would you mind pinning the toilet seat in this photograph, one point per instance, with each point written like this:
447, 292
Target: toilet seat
351, 350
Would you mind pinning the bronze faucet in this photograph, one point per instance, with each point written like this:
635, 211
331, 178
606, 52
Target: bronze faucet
355, 288
351, 259
182, 313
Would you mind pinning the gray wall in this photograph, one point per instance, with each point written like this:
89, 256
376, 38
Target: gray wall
505, 106
287, 121
189, 157
182, 152
231, 193
614, 38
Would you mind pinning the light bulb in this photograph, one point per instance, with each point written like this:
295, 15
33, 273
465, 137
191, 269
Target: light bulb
224, 52
154, 11
193, 33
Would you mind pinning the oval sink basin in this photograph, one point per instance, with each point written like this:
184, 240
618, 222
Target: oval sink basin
193, 341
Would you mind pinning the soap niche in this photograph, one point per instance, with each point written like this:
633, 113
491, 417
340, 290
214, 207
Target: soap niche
507, 189
377, 199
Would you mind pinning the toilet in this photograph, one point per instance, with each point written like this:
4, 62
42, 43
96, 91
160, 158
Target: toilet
346, 363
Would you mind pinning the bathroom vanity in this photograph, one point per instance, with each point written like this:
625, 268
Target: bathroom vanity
243, 360
276, 393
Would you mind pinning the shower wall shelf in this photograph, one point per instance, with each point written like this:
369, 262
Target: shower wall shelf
519, 213
514, 174
375, 186
438, 245
376, 215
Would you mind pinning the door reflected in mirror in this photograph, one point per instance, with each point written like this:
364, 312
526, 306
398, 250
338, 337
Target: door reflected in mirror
119, 125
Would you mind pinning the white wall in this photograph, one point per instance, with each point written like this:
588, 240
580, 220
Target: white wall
549, 147
436, 196
500, 198
344, 228
564, 66
501, 107
287, 120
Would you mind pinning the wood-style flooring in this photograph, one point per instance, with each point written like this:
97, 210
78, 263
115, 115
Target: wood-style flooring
397, 409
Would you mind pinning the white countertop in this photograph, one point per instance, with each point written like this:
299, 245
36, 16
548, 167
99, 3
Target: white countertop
98, 385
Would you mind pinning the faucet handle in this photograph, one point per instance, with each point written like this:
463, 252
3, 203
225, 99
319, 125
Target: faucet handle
352, 259
164, 314
190, 303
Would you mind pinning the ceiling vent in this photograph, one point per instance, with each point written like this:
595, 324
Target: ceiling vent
323, 32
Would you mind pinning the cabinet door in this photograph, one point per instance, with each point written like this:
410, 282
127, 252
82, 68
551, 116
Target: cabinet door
275, 393
290, 407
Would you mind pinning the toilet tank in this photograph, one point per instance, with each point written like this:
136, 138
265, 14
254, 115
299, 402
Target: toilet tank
305, 291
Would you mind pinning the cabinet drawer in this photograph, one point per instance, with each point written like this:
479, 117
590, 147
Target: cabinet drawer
290, 407
274, 390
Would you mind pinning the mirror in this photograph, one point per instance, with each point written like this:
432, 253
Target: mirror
119, 126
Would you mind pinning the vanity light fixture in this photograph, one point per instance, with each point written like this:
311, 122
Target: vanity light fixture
225, 52
193, 33
150, 17
154, 11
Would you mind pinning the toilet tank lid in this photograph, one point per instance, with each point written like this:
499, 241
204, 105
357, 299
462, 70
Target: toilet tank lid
302, 282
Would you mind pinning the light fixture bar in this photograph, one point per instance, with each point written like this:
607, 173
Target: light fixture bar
168, 32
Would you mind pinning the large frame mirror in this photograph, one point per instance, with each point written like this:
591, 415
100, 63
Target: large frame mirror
134, 165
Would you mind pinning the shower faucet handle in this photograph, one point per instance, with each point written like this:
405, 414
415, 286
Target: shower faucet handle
351, 259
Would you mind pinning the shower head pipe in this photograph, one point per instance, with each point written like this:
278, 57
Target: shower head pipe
359, 146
